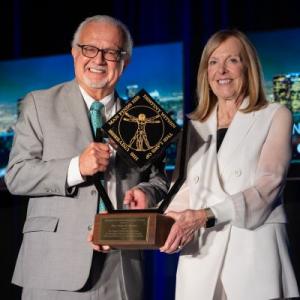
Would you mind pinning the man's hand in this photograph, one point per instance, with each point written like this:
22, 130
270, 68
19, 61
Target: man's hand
135, 199
99, 248
94, 158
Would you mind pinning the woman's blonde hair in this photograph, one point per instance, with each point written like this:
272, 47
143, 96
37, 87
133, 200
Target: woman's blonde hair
253, 85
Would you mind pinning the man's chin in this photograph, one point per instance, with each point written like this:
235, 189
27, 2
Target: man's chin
96, 84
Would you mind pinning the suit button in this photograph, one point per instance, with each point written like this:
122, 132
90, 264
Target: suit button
196, 179
237, 172
93, 192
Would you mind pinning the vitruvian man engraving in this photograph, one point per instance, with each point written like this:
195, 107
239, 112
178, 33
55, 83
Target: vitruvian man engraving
140, 137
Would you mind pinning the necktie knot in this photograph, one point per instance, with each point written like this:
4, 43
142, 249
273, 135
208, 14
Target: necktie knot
96, 106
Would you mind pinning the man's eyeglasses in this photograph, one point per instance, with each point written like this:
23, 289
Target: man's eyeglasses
108, 54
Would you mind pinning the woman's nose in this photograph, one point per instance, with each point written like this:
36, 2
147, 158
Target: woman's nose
222, 68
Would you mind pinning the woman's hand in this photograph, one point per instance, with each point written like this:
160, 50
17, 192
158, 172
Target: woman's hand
182, 231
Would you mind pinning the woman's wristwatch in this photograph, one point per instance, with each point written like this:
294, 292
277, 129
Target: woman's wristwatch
211, 219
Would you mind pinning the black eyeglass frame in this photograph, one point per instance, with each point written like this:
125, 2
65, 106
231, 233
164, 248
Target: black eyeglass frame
120, 52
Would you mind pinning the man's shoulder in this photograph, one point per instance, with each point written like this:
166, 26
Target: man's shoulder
53, 96
64, 86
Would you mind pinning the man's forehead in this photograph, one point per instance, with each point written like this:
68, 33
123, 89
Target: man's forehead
102, 31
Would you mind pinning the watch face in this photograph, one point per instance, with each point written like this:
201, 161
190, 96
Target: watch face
211, 220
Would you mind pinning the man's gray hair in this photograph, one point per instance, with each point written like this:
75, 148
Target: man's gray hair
128, 43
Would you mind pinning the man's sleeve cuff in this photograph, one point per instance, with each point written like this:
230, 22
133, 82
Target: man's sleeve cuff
74, 176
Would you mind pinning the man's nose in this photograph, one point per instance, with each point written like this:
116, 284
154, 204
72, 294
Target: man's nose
99, 58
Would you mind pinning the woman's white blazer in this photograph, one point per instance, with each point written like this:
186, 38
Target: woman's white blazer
243, 184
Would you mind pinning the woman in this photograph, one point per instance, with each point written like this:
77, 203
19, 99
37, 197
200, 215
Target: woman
233, 230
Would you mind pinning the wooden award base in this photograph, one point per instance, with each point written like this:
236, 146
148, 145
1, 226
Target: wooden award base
132, 230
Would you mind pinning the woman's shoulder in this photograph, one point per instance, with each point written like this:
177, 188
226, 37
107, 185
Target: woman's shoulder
274, 107
278, 112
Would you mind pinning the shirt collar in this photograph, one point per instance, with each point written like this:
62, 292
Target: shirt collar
108, 101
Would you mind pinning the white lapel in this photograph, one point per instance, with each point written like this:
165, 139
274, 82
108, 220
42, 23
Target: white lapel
234, 138
208, 168
202, 165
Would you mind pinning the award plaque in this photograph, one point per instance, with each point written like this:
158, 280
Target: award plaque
141, 131
132, 229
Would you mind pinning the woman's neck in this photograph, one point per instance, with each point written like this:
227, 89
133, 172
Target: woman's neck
227, 110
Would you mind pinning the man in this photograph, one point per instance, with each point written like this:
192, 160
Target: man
53, 160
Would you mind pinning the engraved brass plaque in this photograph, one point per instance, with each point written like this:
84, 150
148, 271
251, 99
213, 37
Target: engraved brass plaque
124, 229
132, 230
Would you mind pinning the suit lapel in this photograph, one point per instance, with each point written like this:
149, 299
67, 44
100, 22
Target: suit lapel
235, 136
203, 163
77, 107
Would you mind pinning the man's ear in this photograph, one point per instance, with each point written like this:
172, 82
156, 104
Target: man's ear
73, 52
126, 62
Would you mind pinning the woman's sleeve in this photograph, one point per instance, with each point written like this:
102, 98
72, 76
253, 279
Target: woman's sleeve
251, 207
